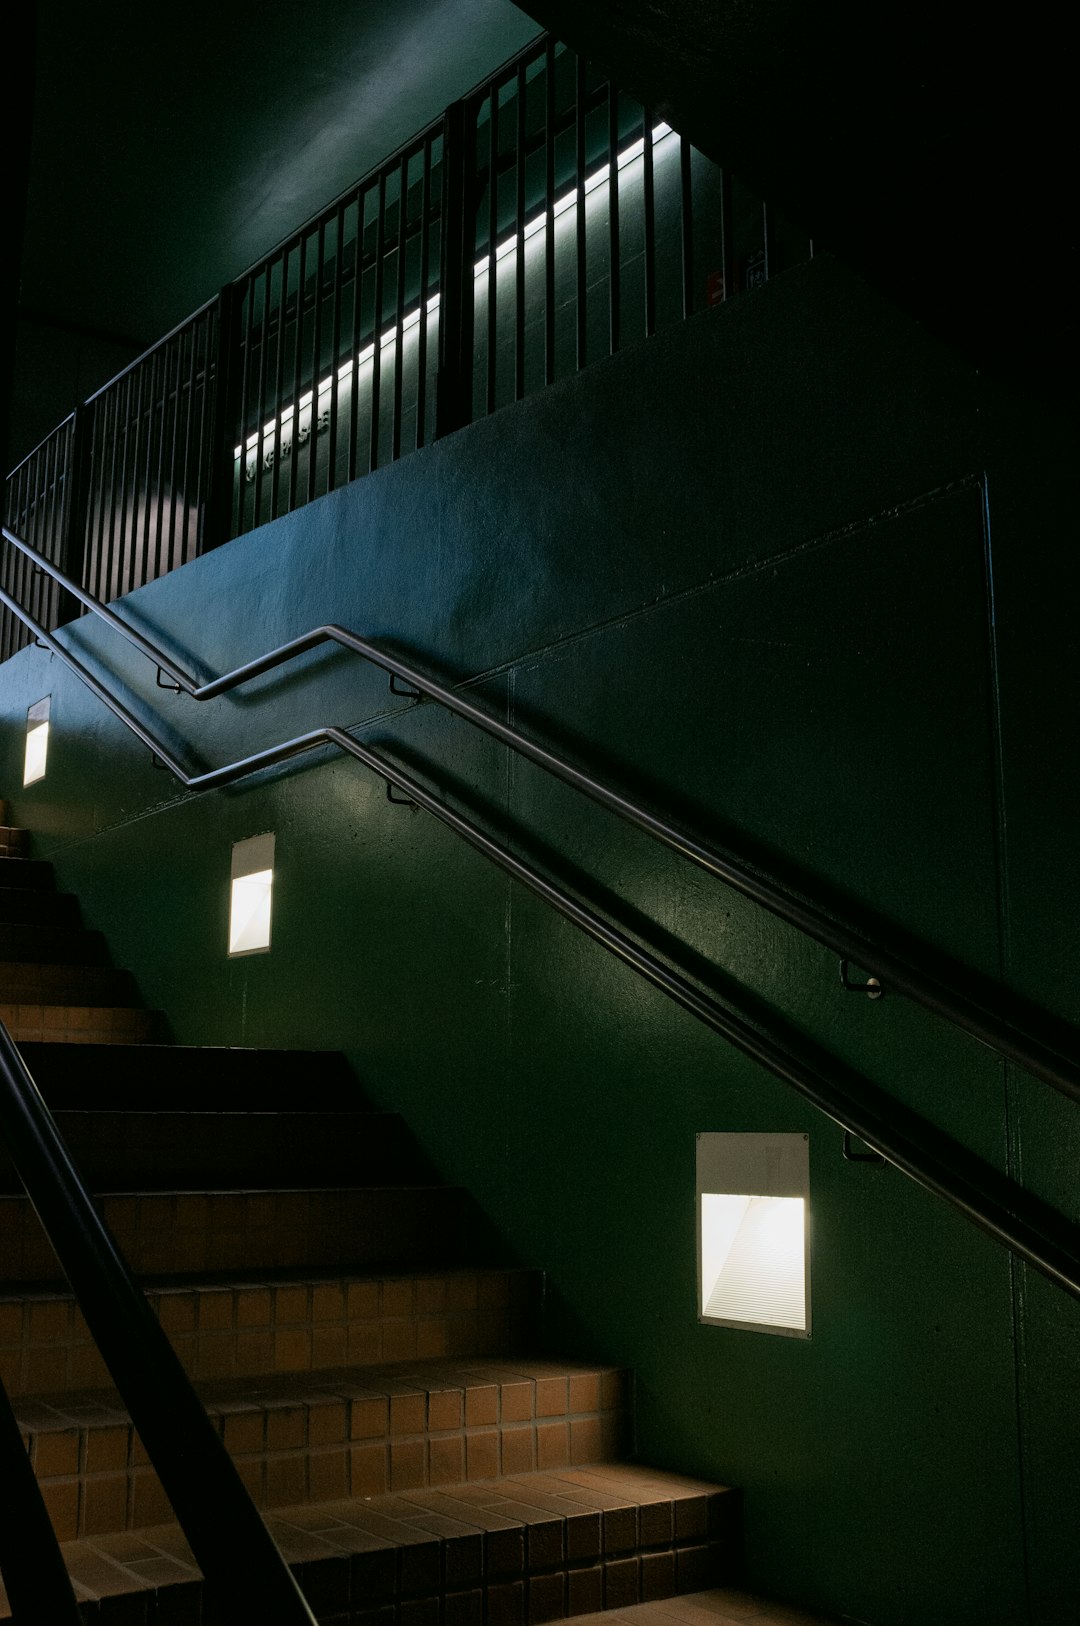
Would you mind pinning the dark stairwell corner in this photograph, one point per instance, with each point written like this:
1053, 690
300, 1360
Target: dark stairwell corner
374, 1363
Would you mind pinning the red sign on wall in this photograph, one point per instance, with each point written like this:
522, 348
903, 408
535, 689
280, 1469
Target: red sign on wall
714, 288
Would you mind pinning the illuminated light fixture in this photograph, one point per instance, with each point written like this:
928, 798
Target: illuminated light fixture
37, 741
251, 895
753, 1205
562, 205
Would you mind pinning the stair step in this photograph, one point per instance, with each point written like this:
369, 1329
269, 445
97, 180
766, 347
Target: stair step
190, 1077
191, 1233
81, 1024
516, 1551
291, 1324
26, 872
355, 1431
36, 906
159, 1151
13, 841
70, 945
57, 984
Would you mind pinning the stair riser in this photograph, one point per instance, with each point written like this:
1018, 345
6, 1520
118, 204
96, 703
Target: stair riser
38, 908
54, 944
188, 1078
26, 872
225, 1332
367, 1445
190, 1233
13, 842
66, 985
144, 1151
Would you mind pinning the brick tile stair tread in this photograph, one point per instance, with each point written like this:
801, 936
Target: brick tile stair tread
390, 1381
51, 982
149, 1564
56, 1023
493, 1536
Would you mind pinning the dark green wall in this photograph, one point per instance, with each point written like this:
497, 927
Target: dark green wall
747, 568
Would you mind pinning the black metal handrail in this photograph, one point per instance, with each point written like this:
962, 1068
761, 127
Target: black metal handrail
36, 1578
231, 1544
981, 1016
998, 1205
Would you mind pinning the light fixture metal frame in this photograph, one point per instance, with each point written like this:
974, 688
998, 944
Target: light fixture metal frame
754, 1165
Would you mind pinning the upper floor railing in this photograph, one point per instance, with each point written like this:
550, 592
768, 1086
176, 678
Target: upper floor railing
545, 221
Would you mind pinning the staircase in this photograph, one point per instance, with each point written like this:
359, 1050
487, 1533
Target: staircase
352, 1324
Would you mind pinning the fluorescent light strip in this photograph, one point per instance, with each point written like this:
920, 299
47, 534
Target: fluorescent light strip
599, 177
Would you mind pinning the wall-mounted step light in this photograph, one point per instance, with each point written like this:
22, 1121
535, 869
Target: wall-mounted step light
251, 895
37, 741
753, 1209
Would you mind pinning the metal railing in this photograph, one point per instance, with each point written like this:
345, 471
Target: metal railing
998, 1205
546, 220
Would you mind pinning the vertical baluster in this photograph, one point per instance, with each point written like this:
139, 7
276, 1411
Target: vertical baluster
103, 451
376, 322
149, 493
316, 357
217, 503
519, 232
614, 248
579, 163
298, 350
549, 207
29, 531
279, 383
425, 271
260, 391
459, 228
399, 306
117, 480
727, 233
687, 228
246, 344
173, 397
197, 481
649, 201
335, 349
47, 545
18, 587
130, 508
493, 234
354, 341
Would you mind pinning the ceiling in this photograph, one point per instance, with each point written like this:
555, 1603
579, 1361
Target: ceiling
175, 145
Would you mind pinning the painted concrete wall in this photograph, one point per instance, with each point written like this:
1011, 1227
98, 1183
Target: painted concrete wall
796, 575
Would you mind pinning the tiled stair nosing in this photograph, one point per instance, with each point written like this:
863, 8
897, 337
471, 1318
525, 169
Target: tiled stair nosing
300, 1323
71, 1023
356, 1431
247, 1230
52, 982
398, 1561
